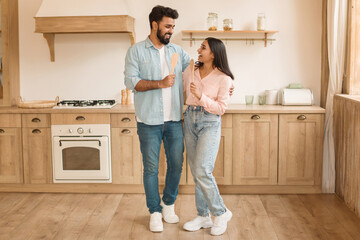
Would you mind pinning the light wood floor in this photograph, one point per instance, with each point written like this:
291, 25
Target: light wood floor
125, 216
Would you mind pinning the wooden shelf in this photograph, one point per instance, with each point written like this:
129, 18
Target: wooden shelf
49, 26
221, 35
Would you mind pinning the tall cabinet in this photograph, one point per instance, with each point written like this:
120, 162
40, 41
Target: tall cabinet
9, 83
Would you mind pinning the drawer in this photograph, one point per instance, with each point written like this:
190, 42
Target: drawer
88, 118
258, 117
10, 120
123, 120
36, 120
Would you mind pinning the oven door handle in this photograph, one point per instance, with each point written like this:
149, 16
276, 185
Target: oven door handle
60, 144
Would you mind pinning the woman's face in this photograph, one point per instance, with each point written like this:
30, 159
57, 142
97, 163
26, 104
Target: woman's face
205, 54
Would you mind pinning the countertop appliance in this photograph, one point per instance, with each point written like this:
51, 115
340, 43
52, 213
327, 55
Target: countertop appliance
81, 153
299, 97
85, 104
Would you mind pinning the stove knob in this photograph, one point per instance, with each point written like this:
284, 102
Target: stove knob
70, 130
90, 130
80, 130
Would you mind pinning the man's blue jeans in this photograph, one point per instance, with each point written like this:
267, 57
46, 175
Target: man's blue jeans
150, 137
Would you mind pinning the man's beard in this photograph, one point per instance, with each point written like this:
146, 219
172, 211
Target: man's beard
162, 39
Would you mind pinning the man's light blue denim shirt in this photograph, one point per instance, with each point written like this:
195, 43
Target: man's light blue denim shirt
143, 62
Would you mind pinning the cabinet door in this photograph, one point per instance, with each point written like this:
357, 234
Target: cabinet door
300, 149
10, 155
125, 156
255, 145
163, 167
37, 155
223, 165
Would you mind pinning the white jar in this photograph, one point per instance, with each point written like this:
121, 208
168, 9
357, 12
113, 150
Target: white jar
271, 96
261, 22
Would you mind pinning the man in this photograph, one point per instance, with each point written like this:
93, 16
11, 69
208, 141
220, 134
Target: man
158, 98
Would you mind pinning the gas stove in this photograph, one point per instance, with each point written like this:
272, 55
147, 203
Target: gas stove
85, 104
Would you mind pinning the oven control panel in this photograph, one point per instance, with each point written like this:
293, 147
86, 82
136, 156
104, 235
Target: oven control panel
81, 130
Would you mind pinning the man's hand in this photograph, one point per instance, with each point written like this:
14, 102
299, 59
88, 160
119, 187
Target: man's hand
168, 81
195, 90
231, 91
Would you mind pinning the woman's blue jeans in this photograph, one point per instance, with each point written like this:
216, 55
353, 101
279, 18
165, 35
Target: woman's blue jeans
150, 137
202, 138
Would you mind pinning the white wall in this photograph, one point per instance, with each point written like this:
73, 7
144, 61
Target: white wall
90, 66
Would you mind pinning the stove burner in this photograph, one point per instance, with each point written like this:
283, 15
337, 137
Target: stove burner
86, 104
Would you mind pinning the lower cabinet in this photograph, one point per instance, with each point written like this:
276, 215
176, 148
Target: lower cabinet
125, 156
11, 168
255, 146
37, 155
300, 149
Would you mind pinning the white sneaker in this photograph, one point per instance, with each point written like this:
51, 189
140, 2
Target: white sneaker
168, 213
220, 223
197, 223
156, 224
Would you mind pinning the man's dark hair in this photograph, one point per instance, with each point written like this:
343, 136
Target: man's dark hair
158, 12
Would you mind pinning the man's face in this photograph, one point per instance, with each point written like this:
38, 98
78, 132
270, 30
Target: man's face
165, 29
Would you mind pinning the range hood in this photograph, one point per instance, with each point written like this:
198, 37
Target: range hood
82, 16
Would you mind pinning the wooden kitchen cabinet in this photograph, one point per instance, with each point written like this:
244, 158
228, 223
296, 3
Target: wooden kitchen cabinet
300, 149
125, 156
37, 155
11, 168
10, 87
36, 140
224, 162
255, 145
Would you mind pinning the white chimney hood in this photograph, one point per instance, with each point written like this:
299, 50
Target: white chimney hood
82, 16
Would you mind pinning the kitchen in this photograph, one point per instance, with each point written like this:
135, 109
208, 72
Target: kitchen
91, 66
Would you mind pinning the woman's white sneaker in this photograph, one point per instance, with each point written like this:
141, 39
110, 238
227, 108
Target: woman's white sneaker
197, 223
168, 213
156, 224
220, 223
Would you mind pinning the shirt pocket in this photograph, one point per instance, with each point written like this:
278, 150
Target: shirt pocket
146, 70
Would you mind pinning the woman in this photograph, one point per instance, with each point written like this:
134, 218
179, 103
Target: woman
207, 99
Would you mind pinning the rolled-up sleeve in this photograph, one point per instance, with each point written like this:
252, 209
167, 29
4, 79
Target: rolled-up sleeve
132, 70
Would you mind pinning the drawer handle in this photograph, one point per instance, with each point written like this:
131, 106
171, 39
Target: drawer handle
36, 120
126, 131
255, 117
301, 117
36, 131
126, 119
80, 118
2, 131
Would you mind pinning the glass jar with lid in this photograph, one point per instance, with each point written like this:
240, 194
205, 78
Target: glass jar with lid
261, 22
227, 24
212, 21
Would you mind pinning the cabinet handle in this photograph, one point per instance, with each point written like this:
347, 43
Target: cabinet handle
36, 120
301, 117
80, 118
126, 131
255, 117
126, 119
36, 131
2, 131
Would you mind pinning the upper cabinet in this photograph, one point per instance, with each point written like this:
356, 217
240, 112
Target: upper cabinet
9, 83
50, 26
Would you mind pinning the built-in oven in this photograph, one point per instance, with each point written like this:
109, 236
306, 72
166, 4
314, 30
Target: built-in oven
81, 153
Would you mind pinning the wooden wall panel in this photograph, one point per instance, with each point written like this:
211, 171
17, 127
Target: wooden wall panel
347, 151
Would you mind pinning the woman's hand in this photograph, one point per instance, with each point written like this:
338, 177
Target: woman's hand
195, 90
